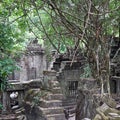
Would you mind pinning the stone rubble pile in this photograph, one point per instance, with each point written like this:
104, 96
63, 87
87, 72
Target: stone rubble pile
106, 112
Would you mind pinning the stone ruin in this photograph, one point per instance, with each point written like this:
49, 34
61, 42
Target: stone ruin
71, 91
91, 105
68, 76
32, 63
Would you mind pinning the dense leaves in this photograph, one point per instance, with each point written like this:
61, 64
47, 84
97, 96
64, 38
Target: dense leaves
6, 47
62, 24
91, 23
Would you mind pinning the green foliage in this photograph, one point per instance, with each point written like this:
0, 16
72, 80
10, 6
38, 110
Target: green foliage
7, 66
57, 25
6, 43
86, 72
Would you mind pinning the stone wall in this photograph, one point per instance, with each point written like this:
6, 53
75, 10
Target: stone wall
115, 67
69, 77
32, 67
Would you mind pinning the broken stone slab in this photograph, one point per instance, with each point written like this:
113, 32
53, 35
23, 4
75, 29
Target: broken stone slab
107, 113
108, 100
101, 111
21, 117
114, 114
104, 98
15, 107
106, 109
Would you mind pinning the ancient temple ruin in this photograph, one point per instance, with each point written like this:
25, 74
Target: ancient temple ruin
63, 80
32, 63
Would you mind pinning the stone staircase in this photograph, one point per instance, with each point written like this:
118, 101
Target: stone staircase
8, 117
16, 115
54, 105
51, 105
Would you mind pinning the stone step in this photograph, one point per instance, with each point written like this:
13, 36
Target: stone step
52, 110
71, 111
19, 111
51, 103
56, 90
68, 102
8, 117
54, 97
70, 99
21, 117
70, 107
56, 117
58, 110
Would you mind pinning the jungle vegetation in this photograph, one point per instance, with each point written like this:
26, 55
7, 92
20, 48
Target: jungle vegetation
86, 25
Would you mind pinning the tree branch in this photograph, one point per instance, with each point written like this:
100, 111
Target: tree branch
45, 29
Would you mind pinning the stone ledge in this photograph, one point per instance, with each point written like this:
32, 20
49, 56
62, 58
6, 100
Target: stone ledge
36, 83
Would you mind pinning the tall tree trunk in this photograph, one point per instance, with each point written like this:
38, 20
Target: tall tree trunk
99, 60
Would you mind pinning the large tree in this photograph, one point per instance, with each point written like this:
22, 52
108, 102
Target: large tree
87, 22
77, 23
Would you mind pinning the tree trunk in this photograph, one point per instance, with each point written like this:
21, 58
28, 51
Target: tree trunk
85, 106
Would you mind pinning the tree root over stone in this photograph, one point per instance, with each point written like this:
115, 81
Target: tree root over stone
95, 106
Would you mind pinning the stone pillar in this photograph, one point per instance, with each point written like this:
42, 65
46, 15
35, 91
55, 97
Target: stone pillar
20, 98
4, 111
115, 88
